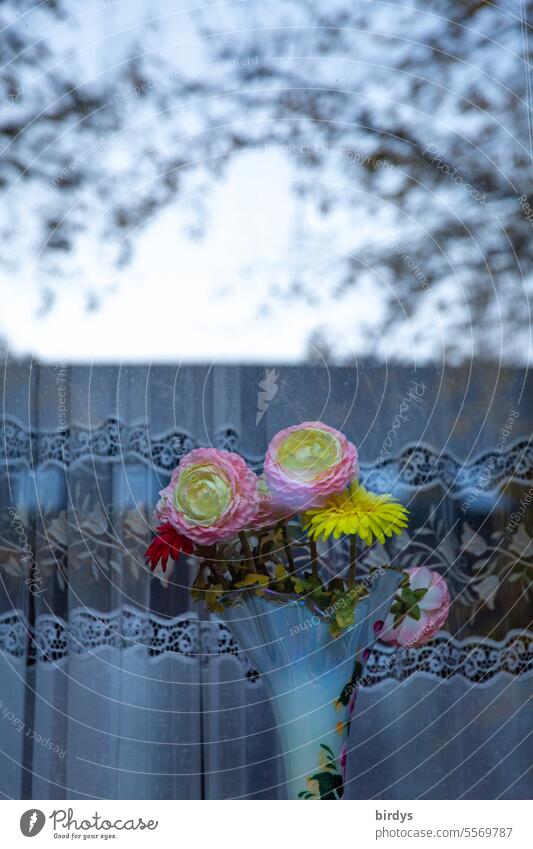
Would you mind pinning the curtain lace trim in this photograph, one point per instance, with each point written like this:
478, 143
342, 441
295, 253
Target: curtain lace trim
477, 659
416, 466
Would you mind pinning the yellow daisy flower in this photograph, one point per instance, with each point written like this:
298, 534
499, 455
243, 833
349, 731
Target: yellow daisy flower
356, 511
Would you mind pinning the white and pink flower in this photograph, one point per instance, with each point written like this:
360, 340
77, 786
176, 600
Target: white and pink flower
433, 608
270, 511
212, 496
306, 463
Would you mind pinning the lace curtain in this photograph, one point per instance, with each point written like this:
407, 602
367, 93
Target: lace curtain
113, 685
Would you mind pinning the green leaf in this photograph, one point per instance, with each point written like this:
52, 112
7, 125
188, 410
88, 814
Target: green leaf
329, 786
345, 618
357, 672
414, 613
346, 693
252, 579
280, 572
329, 763
301, 585
211, 599
398, 619
334, 629
345, 612
328, 750
408, 597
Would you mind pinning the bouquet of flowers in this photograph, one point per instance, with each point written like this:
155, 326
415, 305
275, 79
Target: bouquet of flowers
244, 529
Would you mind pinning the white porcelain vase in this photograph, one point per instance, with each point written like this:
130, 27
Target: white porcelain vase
311, 676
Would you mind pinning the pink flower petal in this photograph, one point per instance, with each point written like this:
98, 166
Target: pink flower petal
435, 596
412, 630
420, 577
298, 494
237, 516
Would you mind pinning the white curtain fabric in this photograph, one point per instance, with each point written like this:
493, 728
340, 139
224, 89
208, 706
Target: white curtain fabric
452, 739
113, 685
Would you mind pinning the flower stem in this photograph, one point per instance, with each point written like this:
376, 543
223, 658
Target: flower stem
353, 562
232, 570
314, 558
219, 576
287, 546
259, 559
247, 551
199, 582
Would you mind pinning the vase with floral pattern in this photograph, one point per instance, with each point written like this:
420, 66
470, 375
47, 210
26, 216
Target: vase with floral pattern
311, 675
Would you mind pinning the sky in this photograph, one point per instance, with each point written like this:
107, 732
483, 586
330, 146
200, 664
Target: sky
265, 281
201, 300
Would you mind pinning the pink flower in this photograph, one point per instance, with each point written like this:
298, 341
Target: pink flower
433, 608
212, 495
306, 463
270, 511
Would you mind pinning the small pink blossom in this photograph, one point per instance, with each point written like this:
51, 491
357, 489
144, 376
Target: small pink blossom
434, 607
343, 757
306, 463
212, 495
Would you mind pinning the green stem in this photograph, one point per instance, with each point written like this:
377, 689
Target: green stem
219, 576
259, 558
199, 582
247, 551
287, 547
314, 558
353, 562
232, 570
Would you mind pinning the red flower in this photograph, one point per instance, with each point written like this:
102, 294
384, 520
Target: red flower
167, 543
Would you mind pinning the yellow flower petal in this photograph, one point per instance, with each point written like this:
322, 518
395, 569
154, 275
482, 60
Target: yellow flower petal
356, 511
